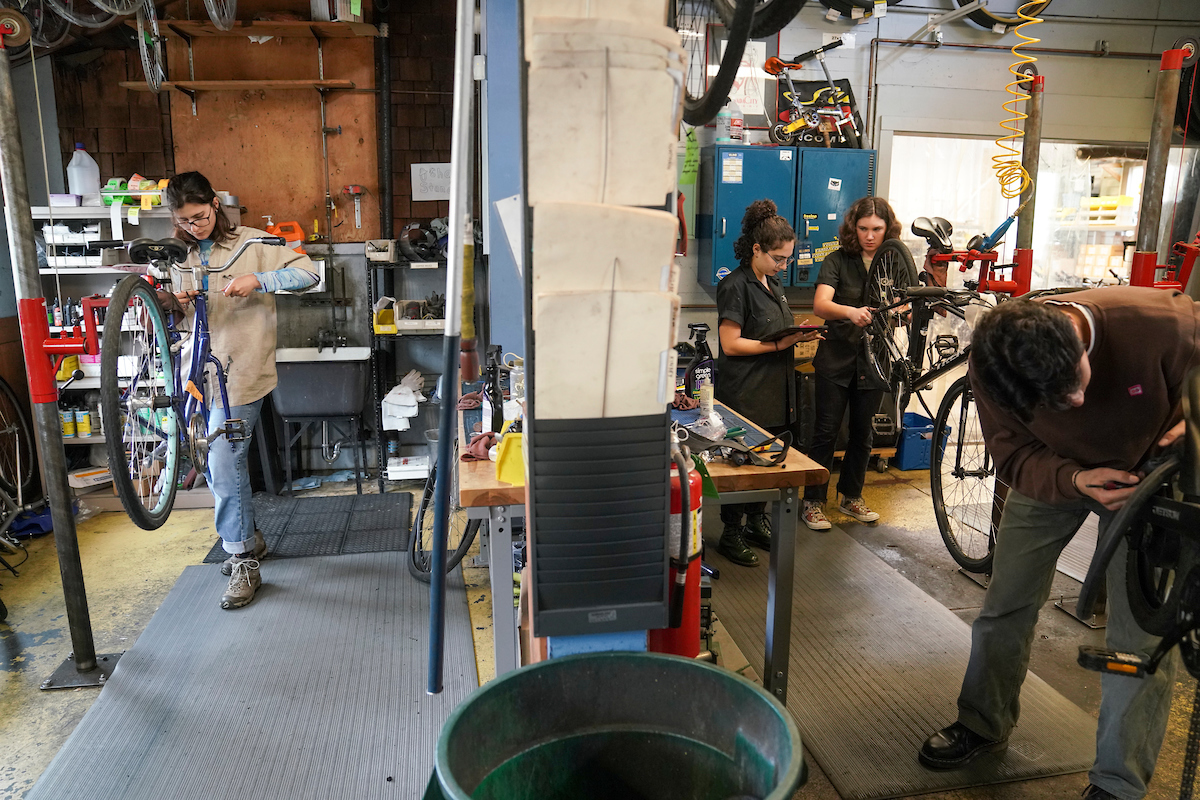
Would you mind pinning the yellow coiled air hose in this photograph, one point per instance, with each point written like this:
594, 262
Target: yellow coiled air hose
1014, 180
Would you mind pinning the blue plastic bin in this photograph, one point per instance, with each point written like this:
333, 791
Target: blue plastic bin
916, 436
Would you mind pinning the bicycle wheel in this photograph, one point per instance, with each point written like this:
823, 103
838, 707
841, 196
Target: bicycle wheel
968, 498
990, 18
460, 532
16, 442
1157, 561
121, 8
154, 63
67, 10
221, 12
703, 97
49, 29
770, 16
892, 269
141, 422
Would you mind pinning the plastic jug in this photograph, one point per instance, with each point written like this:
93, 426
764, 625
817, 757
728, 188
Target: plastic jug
83, 176
290, 231
737, 123
723, 125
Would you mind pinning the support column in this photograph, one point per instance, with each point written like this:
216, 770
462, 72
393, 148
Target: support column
1166, 95
1031, 150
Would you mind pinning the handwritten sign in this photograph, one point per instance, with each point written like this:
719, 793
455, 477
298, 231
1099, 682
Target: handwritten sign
430, 182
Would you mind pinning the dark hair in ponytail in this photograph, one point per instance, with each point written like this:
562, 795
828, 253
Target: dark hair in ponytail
192, 187
762, 226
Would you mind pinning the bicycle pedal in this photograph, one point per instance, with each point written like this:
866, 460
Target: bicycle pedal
235, 430
1097, 659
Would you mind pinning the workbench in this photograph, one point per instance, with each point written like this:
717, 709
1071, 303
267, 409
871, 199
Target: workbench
487, 499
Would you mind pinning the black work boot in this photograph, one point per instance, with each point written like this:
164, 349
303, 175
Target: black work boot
758, 530
733, 546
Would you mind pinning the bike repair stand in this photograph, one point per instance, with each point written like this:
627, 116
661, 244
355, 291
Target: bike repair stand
82, 667
1099, 618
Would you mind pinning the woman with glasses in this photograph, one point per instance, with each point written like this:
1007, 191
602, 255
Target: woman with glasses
756, 377
840, 362
241, 321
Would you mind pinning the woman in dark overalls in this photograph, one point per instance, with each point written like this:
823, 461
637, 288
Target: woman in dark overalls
756, 378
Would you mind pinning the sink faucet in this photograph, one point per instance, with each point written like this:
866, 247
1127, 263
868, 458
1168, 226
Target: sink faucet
327, 338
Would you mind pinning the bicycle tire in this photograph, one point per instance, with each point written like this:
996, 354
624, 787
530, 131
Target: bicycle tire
3, 611
968, 498
19, 448
892, 269
460, 534
49, 28
770, 17
987, 19
1154, 566
701, 109
145, 477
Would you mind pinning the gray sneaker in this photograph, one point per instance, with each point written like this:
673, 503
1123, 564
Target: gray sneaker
243, 583
260, 552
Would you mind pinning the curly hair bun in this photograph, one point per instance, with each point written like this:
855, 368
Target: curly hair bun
757, 213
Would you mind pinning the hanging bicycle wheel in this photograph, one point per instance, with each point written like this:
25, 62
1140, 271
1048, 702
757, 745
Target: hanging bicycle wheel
137, 384
1001, 12
121, 8
16, 443
154, 64
221, 12
48, 28
968, 498
80, 13
704, 93
770, 16
460, 532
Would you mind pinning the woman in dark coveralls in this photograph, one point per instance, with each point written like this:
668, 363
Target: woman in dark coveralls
840, 362
756, 378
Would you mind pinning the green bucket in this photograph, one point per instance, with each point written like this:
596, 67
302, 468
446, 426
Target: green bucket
628, 725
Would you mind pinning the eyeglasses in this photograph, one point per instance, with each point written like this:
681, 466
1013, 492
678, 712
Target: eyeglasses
782, 261
195, 222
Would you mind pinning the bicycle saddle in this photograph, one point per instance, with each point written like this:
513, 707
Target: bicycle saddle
936, 231
145, 251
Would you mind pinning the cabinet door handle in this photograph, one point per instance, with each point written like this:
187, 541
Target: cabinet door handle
722, 227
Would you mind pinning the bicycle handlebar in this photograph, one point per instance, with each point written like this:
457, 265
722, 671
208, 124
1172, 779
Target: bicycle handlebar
800, 59
271, 240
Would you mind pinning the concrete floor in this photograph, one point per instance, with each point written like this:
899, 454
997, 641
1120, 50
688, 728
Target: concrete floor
129, 571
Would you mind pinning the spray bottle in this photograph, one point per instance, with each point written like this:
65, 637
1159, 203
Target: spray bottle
703, 369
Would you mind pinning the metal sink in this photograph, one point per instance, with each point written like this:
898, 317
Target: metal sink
328, 383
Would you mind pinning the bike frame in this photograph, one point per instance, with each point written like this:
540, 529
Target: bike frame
191, 398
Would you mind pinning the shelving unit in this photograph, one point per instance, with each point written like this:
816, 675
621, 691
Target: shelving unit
381, 382
191, 30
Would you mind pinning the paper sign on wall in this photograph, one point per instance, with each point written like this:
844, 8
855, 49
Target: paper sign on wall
430, 182
835, 184
731, 168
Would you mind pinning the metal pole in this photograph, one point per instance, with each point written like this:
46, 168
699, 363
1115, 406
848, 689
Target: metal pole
31, 309
461, 256
1144, 271
1031, 150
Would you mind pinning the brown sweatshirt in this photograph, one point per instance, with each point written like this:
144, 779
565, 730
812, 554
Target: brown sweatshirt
1146, 341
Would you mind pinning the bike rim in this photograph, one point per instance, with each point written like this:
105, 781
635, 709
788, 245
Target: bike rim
150, 47
150, 435
969, 499
15, 443
692, 21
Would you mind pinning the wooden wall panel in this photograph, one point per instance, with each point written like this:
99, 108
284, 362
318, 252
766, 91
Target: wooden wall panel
265, 145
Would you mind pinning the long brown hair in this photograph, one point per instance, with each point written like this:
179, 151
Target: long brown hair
866, 207
762, 226
192, 187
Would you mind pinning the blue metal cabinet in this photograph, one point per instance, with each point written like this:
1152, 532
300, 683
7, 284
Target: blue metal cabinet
731, 178
831, 180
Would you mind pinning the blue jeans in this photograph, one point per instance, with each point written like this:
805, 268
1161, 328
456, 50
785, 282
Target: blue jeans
229, 477
1133, 711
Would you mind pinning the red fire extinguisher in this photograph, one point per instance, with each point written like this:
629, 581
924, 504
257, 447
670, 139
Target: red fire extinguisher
683, 640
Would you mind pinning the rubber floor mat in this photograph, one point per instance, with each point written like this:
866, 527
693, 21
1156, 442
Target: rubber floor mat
875, 667
295, 527
314, 690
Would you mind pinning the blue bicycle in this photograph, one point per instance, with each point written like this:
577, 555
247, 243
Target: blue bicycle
151, 410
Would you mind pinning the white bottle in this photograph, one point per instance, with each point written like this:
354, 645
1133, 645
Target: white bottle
83, 176
724, 135
737, 123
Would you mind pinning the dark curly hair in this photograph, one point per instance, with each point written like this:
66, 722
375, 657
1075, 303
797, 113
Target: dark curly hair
1025, 356
866, 207
762, 226
192, 187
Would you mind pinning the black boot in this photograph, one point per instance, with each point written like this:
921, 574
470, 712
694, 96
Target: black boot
733, 546
758, 530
